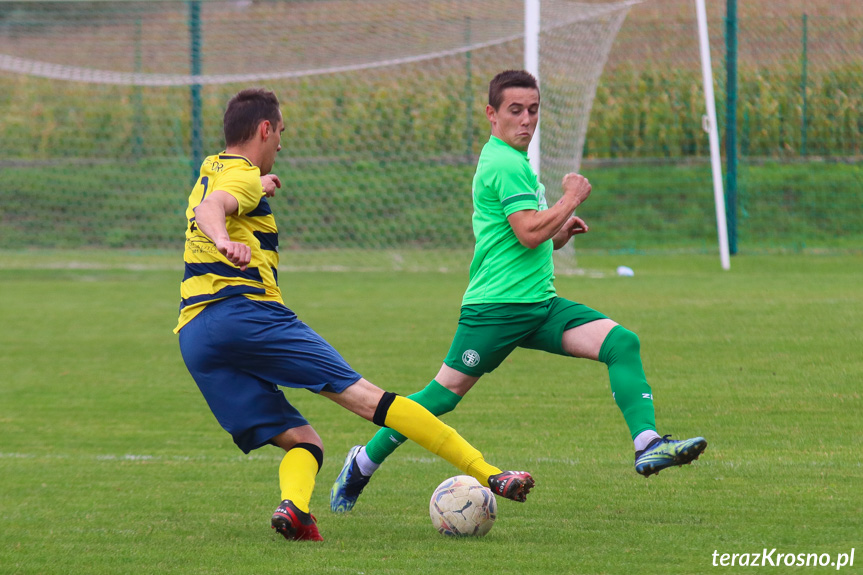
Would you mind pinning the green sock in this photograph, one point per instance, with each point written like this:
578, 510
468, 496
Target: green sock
435, 397
621, 352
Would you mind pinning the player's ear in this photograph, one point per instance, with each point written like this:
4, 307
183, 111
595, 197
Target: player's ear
490, 113
264, 129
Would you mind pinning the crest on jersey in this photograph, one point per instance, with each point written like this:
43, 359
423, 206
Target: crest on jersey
470, 358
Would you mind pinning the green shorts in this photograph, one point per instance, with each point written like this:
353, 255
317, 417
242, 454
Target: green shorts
487, 333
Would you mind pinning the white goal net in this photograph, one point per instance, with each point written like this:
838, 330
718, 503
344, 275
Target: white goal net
113, 105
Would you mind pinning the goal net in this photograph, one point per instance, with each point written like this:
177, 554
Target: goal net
107, 108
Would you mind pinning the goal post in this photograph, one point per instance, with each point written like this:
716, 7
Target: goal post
531, 64
383, 101
712, 129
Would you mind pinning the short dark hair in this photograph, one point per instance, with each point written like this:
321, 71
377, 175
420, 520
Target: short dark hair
509, 79
246, 110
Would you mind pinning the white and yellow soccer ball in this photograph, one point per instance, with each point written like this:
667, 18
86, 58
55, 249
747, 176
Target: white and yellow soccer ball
460, 506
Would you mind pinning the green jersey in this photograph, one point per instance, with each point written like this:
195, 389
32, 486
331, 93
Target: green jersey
503, 270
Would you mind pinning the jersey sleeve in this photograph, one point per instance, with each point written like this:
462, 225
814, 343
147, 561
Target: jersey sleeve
245, 185
516, 189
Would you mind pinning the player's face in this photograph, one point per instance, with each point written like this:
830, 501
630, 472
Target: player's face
272, 146
515, 121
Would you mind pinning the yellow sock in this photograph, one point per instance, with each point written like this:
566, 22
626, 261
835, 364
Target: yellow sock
416, 423
297, 477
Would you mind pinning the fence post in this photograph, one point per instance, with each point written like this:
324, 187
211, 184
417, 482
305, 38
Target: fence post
803, 80
731, 123
532, 23
468, 92
197, 127
137, 98
711, 126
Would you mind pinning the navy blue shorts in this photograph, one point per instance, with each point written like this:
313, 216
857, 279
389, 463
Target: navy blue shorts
240, 351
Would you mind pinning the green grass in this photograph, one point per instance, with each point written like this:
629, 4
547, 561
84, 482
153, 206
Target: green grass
110, 461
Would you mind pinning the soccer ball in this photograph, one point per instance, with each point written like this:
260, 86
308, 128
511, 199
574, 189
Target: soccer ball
460, 506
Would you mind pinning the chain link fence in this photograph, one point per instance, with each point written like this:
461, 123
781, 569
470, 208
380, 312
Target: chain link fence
799, 130
110, 166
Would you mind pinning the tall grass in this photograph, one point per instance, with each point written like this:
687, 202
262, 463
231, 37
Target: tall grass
644, 113
657, 113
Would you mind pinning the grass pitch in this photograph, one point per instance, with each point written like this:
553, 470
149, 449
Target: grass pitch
110, 461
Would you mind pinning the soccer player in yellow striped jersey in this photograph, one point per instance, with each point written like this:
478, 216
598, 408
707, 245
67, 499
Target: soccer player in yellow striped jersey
209, 274
241, 342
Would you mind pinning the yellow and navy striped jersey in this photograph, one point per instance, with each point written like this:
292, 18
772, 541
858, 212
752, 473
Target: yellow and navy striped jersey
209, 276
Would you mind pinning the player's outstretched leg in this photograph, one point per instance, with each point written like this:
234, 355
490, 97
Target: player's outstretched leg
416, 423
663, 452
362, 461
349, 484
295, 524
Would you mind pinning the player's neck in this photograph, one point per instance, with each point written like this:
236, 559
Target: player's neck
248, 151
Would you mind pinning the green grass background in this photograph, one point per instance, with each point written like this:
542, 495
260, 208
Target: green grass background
110, 461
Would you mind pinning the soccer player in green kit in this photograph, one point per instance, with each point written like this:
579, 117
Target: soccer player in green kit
511, 300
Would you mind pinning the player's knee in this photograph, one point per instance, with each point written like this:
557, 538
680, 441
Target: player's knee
445, 408
437, 398
628, 341
439, 405
620, 343
295, 436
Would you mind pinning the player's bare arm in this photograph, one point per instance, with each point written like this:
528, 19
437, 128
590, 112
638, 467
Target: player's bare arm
534, 227
210, 216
